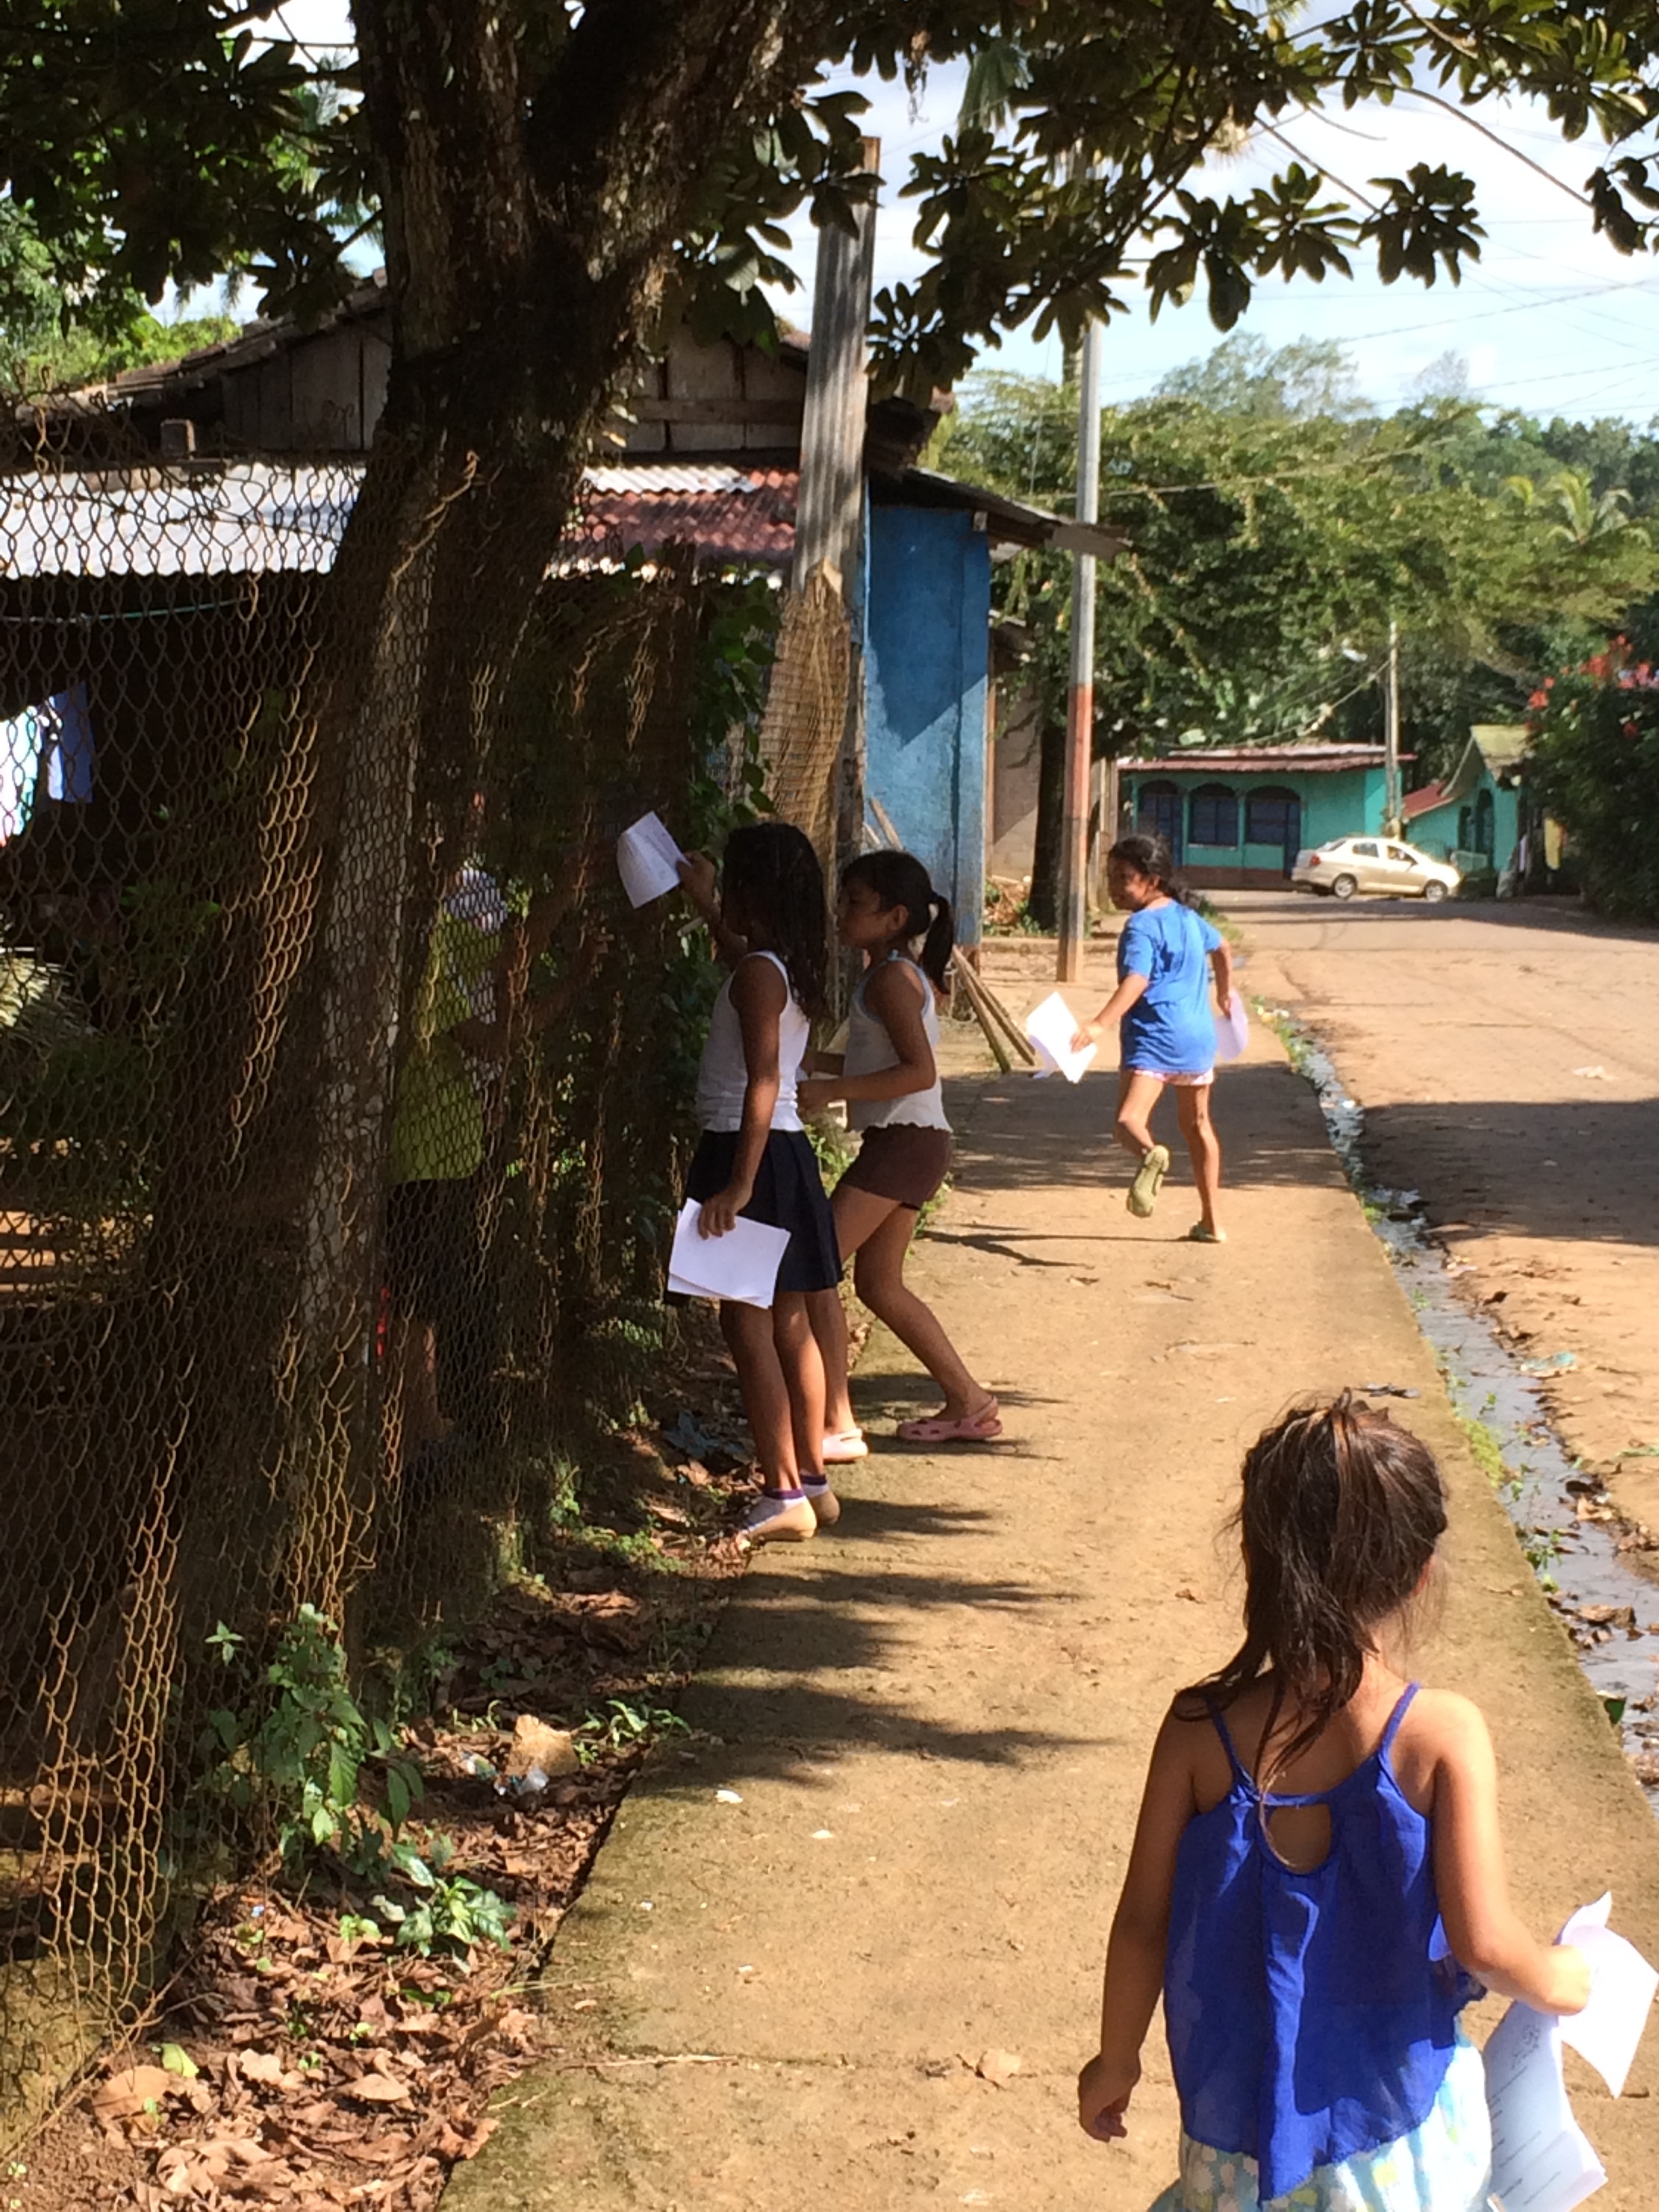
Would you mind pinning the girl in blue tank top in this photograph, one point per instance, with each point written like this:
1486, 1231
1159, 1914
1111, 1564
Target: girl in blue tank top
1317, 1877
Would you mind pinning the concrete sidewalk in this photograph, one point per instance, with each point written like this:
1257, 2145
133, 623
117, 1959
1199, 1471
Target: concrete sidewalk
936, 1718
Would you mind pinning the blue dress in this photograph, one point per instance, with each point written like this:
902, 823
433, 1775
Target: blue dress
1170, 1029
1313, 2015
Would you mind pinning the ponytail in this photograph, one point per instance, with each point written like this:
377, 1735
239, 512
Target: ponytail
899, 879
940, 943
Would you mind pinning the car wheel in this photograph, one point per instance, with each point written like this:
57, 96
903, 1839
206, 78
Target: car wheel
1344, 886
1433, 893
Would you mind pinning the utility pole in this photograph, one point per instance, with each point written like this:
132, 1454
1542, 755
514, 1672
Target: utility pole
1392, 823
1080, 703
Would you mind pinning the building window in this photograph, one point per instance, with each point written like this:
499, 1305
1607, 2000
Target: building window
1213, 816
1485, 825
1273, 817
1157, 810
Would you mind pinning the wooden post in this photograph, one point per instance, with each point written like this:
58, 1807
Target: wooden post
829, 502
829, 496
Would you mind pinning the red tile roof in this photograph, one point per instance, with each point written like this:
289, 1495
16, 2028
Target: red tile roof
1423, 802
741, 516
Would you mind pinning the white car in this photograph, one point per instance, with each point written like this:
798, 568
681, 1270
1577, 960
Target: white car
1344, 866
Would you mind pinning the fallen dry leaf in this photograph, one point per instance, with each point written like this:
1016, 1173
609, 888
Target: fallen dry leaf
377, 2089
128, 2092
266, 2066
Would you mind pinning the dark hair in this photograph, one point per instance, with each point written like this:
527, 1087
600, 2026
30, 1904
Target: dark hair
1341, 1513
1149, 856
899, 879
774, 880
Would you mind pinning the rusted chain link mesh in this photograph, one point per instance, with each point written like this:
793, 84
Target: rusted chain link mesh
335, 1162
805, 728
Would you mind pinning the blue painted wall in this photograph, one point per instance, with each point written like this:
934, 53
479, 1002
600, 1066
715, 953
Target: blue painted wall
927, 609
1335, 803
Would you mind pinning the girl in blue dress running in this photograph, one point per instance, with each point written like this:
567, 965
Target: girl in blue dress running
1166, 955
1317, 1875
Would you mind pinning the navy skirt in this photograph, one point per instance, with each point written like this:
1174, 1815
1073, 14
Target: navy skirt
788, 1194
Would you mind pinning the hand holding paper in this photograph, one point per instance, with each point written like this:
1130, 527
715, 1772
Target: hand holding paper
649, 859
742, 1266
1232, 1029
1541, 2160
1051, 1028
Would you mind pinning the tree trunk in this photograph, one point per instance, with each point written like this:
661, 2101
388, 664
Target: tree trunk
528, 227
1043, 898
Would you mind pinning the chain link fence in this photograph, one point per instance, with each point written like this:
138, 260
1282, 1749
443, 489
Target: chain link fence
240, 1371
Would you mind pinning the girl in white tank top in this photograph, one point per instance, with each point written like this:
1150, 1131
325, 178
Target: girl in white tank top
889, 1075
753, 1160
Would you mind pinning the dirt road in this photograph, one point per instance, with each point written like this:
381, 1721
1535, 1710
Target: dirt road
1507, 1058
892, 1850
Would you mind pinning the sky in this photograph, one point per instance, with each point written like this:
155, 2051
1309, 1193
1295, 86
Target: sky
1551, 320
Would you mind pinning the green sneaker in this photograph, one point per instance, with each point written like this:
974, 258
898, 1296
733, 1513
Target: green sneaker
1148, 1181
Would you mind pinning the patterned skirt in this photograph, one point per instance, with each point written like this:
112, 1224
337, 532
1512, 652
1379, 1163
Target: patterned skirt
1443, 2166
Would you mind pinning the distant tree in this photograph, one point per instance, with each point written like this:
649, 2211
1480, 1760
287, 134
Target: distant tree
1446, 377
1244, 376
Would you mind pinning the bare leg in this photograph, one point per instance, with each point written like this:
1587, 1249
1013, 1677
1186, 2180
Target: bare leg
801, 1364
748, 1331
829, 1319
879, 1277
1137, 1095
1192, 1108
859, 1214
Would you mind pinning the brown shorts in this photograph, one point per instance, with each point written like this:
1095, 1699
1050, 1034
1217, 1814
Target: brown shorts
900, 1161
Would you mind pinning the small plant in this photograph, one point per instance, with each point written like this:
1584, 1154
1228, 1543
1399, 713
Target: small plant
454, 1916
622, 1727
1543, 1548
298, 1752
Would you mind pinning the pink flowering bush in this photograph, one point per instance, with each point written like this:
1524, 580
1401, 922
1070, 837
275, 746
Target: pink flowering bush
1594, 766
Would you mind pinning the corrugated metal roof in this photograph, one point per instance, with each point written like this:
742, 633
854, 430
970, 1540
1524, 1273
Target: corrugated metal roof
234, 521
244, 517
253, 516
1249, 760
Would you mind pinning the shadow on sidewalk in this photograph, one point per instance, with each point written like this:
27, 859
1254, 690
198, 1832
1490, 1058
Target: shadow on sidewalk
775, 1694
1065, 1136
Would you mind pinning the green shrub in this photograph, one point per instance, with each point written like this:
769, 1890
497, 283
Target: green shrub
1594, 766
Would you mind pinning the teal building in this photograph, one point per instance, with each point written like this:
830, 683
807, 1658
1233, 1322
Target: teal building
1237, 818
1475, 817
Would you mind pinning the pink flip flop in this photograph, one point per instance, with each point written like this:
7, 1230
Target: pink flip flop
974, 1429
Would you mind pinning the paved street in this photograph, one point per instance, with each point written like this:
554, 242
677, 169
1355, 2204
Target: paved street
1507, 1058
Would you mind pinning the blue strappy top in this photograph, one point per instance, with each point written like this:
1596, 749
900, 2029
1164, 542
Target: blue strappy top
1311, 2016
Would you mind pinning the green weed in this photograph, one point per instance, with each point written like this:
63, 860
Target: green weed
297, 1755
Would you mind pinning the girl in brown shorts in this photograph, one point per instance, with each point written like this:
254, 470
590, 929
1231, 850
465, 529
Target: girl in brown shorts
889, 1077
